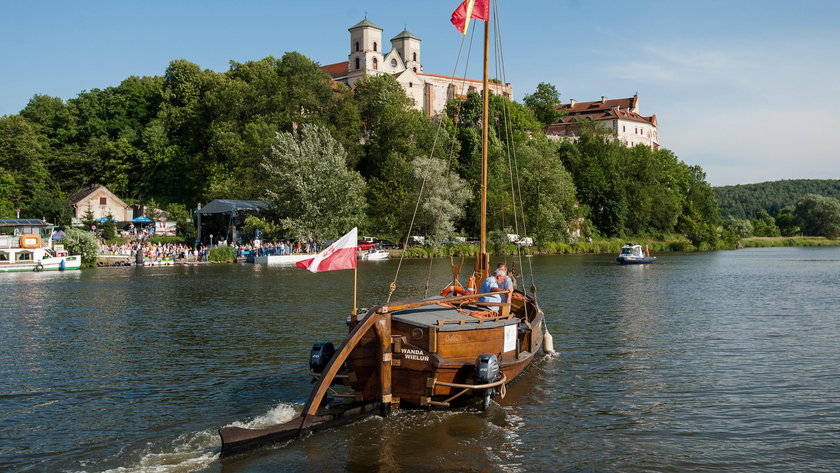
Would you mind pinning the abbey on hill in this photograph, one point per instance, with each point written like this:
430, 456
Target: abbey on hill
430, 92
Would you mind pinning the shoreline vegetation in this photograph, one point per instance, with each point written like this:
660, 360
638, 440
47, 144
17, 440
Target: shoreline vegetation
613, 245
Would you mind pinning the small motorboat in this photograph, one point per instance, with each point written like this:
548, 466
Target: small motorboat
374, 255
633, 254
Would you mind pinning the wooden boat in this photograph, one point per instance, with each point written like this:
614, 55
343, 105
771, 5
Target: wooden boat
430, 353
633, 254
26, 245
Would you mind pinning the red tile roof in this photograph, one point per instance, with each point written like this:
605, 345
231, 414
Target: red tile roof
457, 78
600, 105
605, 115
339, 69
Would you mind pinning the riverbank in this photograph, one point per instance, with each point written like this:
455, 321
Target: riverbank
767, 242
612, 245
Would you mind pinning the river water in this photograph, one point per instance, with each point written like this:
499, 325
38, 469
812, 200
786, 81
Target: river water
700, 362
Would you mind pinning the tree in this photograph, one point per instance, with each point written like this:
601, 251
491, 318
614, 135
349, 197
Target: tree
80, 242
739, 227
109, 228
88, 218
314, 194
442, 201
764, 225
544, 102
786, 222
547, 190
184, 227
818, 215
8, 191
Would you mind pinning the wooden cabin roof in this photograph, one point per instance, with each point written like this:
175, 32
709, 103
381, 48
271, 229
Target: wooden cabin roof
430, 315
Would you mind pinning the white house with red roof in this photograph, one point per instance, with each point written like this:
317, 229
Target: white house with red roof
430, 92
621, 116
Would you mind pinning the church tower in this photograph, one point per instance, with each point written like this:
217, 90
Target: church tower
365, 51
408, 46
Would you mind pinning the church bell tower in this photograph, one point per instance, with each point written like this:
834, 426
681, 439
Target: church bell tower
365, 51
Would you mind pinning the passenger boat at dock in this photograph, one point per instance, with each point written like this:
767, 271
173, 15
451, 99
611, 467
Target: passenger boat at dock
26, 245
432, 352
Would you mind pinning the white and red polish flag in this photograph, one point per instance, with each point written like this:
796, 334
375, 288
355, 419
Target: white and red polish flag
340, 255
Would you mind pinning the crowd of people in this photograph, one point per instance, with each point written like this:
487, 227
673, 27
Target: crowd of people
179, 252
155, 252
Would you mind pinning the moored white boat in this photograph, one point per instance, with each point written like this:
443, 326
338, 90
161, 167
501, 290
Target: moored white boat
26, 245
281, 259
374, 255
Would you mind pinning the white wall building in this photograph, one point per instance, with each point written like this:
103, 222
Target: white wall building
621, 116
429, 92
101, 202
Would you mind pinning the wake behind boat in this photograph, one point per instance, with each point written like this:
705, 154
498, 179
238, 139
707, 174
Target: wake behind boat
633, 254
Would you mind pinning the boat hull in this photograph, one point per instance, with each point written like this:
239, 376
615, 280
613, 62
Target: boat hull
280, 259
46, 264
635, 259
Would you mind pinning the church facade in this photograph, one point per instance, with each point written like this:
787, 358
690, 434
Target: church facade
429, 92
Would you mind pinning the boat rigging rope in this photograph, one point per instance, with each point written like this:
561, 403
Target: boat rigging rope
452, 142
517, 190
393, 286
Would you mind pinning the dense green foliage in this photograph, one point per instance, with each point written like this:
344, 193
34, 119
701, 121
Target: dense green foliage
544, 102
746, 200
81, 242
315, 196
640, 191
818, 215
222, 254
330, 158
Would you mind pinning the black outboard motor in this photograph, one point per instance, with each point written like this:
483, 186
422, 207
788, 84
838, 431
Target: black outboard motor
486, 371
320, 356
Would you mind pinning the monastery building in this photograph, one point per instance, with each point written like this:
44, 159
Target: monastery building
621, 116
430, 92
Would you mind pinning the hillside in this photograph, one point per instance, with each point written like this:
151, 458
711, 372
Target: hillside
744, 200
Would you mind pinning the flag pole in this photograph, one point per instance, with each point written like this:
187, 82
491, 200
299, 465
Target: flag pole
354, 315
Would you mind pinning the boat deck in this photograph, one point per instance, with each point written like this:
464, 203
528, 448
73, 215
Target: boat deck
448, 319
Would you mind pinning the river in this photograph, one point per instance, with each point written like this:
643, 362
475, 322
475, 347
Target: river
700, 362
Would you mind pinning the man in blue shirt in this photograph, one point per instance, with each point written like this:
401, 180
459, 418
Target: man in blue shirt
493, 283
507, 284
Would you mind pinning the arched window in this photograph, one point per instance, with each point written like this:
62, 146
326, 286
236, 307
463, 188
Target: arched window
414, 57
415, 69
374, 45
375, 63
393, 62
357, 45
411, 84
357, 63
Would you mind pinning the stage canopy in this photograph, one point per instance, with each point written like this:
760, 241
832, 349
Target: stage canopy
223, 206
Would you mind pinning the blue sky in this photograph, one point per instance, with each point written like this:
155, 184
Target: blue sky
749, 90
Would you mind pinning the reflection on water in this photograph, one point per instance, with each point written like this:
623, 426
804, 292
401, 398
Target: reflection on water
707, 362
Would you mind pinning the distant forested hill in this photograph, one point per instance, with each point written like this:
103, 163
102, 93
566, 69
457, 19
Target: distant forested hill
744, 200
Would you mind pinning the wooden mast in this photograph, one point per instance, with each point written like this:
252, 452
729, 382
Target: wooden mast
482, 262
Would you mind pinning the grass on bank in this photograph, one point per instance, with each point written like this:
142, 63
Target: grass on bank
600, 246
767, 242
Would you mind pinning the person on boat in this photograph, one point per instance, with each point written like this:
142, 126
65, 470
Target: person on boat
493, 283
508, 283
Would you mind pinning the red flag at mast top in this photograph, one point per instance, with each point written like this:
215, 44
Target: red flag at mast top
340, 255
478, 9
